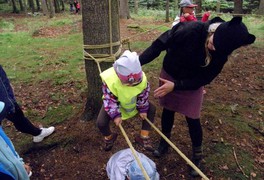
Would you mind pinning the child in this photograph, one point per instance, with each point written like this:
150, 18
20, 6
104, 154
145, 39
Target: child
122, 165
125, 94
187, 13
11, 165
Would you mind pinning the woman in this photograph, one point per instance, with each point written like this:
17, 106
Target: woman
195, 54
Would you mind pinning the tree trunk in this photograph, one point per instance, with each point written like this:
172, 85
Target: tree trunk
198, 9
22, 8
15, 10
167, 11
62, 5
136, 6
124, 9
38, 5
44, 7
57, 6
31, 5
97, 31
218, 4
51, 8
261, 7
238, 6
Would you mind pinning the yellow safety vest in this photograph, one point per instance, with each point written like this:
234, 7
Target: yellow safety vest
127, 95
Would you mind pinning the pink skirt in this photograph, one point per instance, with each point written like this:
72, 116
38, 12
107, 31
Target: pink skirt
188, 103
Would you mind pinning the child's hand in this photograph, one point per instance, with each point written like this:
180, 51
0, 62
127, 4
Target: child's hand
27, 168
143, 115
117, 121
186, 14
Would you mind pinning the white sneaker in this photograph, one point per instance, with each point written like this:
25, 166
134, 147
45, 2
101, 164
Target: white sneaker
44, 133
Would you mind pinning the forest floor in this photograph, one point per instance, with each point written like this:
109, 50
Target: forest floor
75, 151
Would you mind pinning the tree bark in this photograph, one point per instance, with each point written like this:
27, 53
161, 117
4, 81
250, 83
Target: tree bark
124, 9
198, 9
238, 6
96, 20
15, 10
261, 7
22, 8
167, 19
44, 7
136, 6
51, 8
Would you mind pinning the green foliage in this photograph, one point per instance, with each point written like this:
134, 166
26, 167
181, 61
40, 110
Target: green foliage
6, 25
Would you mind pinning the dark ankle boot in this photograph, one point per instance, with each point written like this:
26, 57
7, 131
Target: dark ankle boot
163, 147
196, 159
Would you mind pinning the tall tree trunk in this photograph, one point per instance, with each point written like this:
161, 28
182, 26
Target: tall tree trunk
22, 8
15, 10
38, 5
62, 5
167, 11
51, 8
218, 4
124, 9
31, 5
261, 7
97, 31
44, 7
238, 6
198, 9
57, 6
136, 6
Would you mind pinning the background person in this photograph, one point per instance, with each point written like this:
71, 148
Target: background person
16, 115
187, 13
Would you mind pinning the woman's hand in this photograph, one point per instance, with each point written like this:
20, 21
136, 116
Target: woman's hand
167, 87
117, 121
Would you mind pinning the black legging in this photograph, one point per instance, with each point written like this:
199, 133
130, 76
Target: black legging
104, 119
22, 123
195, 129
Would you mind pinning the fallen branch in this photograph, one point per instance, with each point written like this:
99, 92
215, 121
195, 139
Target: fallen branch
240, 168
256, 129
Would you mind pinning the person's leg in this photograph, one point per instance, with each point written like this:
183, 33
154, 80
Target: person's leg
167, 120
143, 139
196, 134
23, 125
102, 123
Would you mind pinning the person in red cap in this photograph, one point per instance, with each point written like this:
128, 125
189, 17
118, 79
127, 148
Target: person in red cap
125, 94
187, 13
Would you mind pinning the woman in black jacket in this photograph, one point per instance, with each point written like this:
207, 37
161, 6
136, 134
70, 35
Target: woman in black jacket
195, 54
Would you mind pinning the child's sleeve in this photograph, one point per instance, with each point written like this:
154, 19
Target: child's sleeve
111, 104
142, 100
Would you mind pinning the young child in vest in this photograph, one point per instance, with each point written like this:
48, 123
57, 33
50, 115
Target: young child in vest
125, 94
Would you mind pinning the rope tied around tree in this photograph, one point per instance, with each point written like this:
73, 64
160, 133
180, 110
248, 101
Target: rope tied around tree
102, 57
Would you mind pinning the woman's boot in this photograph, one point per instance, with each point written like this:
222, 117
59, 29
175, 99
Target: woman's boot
163, 147
196, 159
